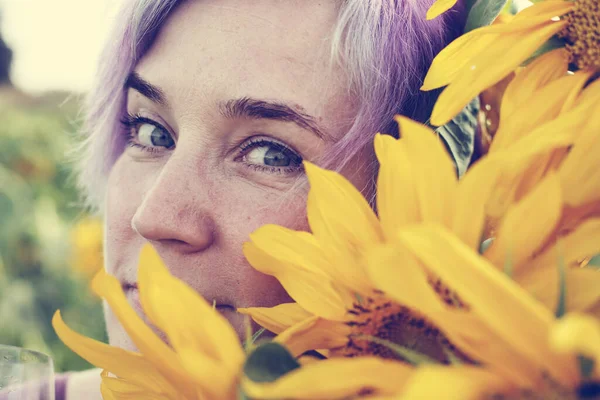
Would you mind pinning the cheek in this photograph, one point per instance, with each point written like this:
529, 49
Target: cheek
286, 210
125, 192
238, 216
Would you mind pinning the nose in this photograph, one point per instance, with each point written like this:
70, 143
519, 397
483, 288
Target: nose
175, 211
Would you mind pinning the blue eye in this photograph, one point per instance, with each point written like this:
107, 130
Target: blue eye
270, 156
147, 134
151, 135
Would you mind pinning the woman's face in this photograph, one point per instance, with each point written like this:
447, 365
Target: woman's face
229, 100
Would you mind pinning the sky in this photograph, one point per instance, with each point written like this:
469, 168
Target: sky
56, 43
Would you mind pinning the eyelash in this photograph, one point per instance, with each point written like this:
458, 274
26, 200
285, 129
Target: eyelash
131, 122
254, 143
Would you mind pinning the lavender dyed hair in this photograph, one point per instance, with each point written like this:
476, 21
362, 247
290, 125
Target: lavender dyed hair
385, 46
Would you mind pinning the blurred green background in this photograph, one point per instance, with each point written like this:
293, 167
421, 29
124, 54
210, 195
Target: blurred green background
49, 247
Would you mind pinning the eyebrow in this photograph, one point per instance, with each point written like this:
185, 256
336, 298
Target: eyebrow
245, 107
154, 93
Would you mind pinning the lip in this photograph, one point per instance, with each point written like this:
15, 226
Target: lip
239, 322
132, 293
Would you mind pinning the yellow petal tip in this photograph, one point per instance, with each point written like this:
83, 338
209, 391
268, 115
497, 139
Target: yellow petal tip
438, 8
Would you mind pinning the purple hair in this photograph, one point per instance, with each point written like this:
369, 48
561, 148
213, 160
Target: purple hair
386, 46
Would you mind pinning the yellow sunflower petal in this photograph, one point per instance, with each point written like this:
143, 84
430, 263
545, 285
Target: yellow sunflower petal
544, 141
151, 262
399, 274
582, 287
342, 221
539, 73
527, 225
453, 383
397, 202
463, 330
279, 318
435, 174
518, 318
544, 106
337, 209
577, 333
125, 364
439, 7
458, 55
447, 65
580, 79
476, 339
211, 378
453, 58
154, 349
189, 321
485, 69
106, 393
294, 259
582, 243
546, 9
472, 195
590, 96
579, 172
336, 378
314, 333
115, 388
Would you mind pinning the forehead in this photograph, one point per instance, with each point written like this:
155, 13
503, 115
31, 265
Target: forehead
271, 49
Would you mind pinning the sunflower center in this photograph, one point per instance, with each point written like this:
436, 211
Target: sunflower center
582, 34
377, 320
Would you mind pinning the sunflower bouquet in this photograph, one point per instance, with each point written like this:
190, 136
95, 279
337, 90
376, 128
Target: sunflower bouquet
473, 288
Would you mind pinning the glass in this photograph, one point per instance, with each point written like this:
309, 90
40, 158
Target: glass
25, 374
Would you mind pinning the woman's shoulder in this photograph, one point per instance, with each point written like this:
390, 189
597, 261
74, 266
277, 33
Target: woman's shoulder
79, 385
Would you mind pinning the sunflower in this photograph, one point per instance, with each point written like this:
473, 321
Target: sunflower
484, 56
345, 302
205, 359
560, 104
338, 305
337, 378
524, 351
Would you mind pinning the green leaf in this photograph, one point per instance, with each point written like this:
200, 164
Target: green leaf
469, 4
268, 362
594, 262
410, 356
483, 13
561, 307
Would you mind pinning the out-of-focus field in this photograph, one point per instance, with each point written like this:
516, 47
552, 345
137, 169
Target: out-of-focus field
48, 245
